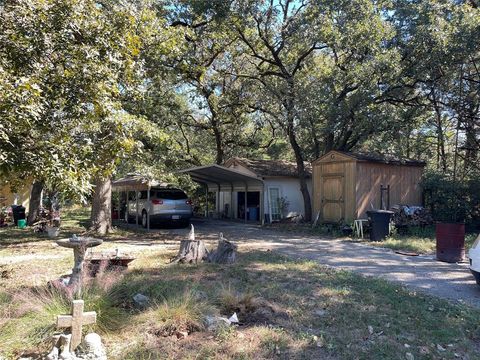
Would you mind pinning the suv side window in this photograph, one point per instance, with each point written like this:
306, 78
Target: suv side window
142, 194
131, 196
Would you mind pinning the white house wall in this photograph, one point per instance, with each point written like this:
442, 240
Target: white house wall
290, 190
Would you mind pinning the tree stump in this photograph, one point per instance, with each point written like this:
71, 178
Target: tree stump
226, 252
191, 250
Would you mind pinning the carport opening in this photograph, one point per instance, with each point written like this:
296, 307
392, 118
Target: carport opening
253, 205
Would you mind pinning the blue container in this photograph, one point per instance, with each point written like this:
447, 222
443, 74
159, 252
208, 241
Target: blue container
252, 213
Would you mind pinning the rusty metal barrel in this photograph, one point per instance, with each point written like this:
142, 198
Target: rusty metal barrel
450, 242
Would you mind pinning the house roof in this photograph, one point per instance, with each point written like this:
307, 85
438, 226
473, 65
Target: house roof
376, 158
266, 168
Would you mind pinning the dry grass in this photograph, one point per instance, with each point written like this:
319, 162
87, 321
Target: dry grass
418, 240
288, 309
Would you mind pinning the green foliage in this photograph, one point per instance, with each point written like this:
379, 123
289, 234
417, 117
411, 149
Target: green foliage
64, 67
452, 201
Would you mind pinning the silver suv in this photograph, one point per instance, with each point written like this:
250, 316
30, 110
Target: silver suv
167, 205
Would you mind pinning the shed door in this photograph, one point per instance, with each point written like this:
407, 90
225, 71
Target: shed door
333, 198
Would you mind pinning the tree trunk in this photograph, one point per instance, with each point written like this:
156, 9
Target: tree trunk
441, 154
302, 174
191, 251
35, 202
225, 254
101, 216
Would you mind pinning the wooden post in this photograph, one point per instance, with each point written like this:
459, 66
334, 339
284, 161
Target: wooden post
76, 321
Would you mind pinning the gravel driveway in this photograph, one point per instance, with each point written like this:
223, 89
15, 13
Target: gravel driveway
449, 281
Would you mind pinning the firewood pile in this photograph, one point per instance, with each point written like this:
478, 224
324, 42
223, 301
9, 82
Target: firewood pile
411, 216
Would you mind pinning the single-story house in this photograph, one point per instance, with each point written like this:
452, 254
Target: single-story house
347, 185
19, 196
272, 188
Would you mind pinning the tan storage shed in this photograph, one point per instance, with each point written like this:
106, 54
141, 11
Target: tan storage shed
346, 185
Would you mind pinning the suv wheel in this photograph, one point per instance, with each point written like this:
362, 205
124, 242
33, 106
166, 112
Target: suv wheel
144, 219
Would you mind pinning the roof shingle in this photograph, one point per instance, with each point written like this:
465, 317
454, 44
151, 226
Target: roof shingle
265, 168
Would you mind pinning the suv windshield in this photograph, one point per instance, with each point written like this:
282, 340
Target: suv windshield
169, 194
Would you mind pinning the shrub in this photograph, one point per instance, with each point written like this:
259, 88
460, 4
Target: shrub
452, 201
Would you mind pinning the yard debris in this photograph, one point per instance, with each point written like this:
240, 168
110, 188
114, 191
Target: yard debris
409, 356
215, 322
181, 334
5, 273
406, 253
370, 330
405, 216
424, 350
233, 319
320, 312
141, 301
319, 341
440, 347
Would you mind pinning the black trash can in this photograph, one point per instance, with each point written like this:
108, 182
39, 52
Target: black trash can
379, 224
18, 212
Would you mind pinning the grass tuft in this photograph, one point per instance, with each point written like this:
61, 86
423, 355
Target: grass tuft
183, 313
229, 300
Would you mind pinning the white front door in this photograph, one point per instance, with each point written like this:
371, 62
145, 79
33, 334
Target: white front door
274, 203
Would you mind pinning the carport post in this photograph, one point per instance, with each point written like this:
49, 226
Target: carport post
231, 214
126, 210
262, 205
218, 200
148, 207
206, 201
119, 203
136, 207
246, 204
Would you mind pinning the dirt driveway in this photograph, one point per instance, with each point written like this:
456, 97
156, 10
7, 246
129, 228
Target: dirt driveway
450, 281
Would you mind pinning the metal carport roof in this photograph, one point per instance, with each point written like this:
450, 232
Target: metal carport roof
220, 176
136, 182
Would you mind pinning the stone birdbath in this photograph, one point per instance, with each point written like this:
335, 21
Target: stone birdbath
79, 244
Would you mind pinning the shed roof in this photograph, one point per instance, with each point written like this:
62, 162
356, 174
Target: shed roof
375, 158
265, 168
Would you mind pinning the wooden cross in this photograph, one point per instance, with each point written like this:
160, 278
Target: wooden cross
76, 321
